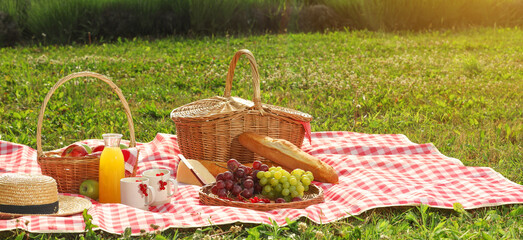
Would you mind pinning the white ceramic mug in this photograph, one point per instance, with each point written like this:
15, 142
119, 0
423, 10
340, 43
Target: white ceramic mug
163, 185
136, 192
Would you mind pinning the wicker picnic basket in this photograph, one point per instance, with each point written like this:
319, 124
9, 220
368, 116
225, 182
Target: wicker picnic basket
208, 129
70, 172
313, 196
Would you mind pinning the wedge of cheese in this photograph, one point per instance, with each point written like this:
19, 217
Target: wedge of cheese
185, 175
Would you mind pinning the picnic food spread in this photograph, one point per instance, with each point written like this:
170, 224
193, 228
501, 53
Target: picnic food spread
259, 183
233, 168
209, 132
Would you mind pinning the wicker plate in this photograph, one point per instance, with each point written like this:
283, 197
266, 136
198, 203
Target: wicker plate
311, 197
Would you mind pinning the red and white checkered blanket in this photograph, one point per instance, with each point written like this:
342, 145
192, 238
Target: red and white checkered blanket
375, 171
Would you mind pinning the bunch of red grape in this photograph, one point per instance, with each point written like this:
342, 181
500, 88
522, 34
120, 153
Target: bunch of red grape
239, 181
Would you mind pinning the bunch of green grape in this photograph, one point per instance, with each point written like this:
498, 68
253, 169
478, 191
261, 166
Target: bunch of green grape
280, 185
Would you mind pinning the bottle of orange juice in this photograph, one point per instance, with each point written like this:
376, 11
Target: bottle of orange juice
111, 169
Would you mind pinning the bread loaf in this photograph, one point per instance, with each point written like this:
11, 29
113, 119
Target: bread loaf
288, 155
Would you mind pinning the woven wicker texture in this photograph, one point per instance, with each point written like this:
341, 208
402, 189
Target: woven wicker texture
25, 189
70, 172
208, 129
313, 196
67, 205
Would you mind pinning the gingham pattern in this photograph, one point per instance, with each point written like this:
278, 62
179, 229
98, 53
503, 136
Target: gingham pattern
375, 171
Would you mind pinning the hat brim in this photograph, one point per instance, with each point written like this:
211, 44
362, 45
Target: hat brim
67, 205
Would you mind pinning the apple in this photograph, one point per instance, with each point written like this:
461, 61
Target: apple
75, 150
123, 146
89, 188
87, 148
98, 148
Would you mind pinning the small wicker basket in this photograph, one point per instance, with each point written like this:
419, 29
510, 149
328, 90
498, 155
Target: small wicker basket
70, 172
208, 129
313, 196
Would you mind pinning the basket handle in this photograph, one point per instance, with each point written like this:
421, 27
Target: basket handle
132, 142
255, 77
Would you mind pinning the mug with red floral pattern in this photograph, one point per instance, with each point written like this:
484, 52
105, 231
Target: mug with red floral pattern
163, 184
136, 192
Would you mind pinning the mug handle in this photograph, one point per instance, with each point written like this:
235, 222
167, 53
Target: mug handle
150, 199
175, 184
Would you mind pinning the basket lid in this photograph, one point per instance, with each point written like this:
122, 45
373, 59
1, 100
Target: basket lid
222, 107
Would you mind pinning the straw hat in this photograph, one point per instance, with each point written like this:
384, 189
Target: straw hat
24, 194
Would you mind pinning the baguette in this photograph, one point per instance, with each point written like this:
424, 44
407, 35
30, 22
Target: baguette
288, 155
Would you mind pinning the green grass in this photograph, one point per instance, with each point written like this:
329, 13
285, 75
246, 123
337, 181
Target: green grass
460, 90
